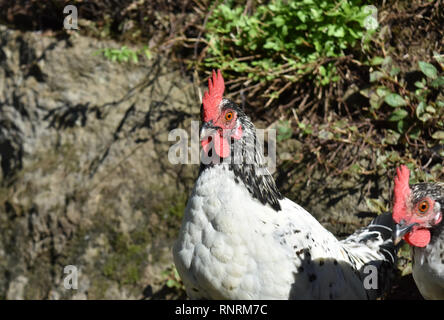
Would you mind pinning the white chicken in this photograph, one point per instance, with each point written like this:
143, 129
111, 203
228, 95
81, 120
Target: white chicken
241, 239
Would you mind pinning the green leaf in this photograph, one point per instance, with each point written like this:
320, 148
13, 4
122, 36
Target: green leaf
430, 110
376, 61
382, 91
339, 32
325, 135
392, 137
284, 131
170, 283
420, 109
395, 100
415, 133
395, 71
375, 101
439, 82
301, 15
134, 57
419, 85
438, 57
438, 135
279, 21
271, 45
402, 126
428, 69
388, 62
148, 53
355, 168
398, 114
305, 128
425, 117
375, 76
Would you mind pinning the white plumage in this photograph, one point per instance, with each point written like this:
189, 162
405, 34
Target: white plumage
231, 246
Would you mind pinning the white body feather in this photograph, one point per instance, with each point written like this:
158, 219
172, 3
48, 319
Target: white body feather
231, 246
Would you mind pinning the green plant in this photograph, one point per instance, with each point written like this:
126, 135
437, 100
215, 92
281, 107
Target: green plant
172, 278
126, 261
284, 130
288, 39
413, 113
416, 110
125, 54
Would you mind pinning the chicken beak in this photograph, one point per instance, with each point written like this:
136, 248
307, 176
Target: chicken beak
402, 229
207, 130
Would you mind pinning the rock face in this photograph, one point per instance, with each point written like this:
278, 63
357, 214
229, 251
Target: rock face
85, 178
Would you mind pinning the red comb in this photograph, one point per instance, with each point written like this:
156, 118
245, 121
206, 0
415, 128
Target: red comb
401, 193
213, 97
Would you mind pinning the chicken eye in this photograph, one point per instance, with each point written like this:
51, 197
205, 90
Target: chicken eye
229, 116
423, 206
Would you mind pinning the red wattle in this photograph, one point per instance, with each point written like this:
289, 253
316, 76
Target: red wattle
221, 146
418, 238
206, 144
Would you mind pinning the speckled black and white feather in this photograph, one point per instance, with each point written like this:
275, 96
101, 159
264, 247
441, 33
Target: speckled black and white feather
241, 239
